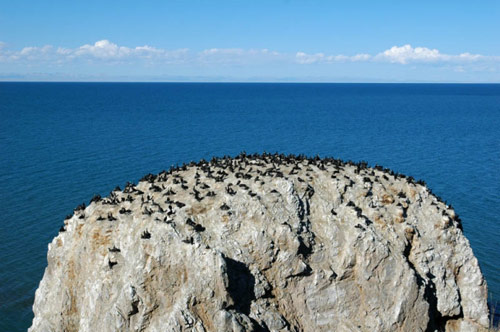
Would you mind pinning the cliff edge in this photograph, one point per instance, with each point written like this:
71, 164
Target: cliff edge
263, 243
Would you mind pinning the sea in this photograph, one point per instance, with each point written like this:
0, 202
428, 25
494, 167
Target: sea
61, 143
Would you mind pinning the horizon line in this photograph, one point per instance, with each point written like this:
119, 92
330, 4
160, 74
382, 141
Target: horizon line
243, 82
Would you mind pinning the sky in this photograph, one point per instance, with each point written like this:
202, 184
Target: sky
250, 41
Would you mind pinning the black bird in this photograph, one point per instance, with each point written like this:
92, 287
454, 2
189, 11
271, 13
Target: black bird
148, 177
96, 199
230, 190
169, 192
62, 229
179, 204
224, 207
100, 218
147, 211
244, 186
156, 188
146, 235
111, 264
188, 240
125, 211
197, 195
110, 217
114, 249
197, 227
129, 188
80, 207
309, 191
358, 211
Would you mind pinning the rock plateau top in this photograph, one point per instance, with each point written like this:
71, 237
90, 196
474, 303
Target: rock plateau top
263, 243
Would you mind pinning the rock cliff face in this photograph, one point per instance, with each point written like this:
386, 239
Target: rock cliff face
263, 243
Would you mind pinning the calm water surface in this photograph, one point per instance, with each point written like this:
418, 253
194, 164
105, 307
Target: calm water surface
61, 143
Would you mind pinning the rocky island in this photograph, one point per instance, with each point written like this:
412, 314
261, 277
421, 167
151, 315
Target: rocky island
263, 243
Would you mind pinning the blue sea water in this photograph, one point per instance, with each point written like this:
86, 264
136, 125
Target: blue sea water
61, 143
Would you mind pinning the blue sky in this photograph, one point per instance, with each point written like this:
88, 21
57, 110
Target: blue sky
322, 41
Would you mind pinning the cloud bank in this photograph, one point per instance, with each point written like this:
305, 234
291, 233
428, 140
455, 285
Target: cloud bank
104, 51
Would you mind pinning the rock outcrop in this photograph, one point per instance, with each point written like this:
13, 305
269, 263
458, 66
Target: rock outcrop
263, 243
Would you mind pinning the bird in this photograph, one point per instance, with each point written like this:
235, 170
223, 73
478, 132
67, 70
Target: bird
111, 264
179, 204
95, 199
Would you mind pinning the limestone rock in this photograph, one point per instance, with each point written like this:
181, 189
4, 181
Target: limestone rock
263, 243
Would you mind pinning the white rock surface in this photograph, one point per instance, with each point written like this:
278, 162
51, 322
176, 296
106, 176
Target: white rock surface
263, 243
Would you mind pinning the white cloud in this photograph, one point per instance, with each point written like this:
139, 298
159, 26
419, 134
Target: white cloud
361, 57
215, 51
30, 51
103, 49
407, 54
238, 56
305, 58
106, 50
472, 57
